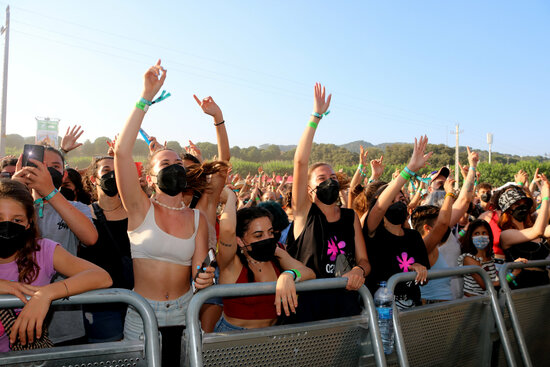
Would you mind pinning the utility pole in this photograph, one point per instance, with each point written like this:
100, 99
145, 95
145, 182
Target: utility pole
6, 32
457, 132
490, 142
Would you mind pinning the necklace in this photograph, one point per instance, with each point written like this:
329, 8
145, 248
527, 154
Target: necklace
112, 210
255, 263
183, 206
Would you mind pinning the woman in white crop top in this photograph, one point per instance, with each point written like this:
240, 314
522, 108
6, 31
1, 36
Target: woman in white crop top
168, 240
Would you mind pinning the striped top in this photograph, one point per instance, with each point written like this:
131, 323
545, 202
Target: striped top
470, 284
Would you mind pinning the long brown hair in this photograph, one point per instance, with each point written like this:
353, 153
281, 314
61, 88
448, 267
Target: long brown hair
26, 264
92, 172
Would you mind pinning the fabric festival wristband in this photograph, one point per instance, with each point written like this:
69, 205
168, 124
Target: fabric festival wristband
141, 105
312, 124
162, 97
545, 198
411, 173
40, 202
360, 166
319, 115
451, 194
519, 183
405, 175
144, 101
472, 168
297, 274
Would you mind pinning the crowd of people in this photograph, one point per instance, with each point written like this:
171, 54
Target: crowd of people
149, 227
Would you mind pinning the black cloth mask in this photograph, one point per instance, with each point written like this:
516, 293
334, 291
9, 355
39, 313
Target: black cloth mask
57, 177
397, 213
485, 197
13, 237
67, 193
520, 213
327, 191
107, 182
172, 180
263, 250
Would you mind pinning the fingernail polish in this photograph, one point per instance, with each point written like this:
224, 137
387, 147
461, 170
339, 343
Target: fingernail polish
204, 269
198, 267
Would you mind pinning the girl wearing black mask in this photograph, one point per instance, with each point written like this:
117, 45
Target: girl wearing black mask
105, 323
323, 236
520, 237
27, 265
394, 247
248, 252
168, 241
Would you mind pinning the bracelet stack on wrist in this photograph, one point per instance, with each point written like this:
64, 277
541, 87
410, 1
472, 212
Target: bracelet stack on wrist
319, 115
295, 274
511, 278
451, 194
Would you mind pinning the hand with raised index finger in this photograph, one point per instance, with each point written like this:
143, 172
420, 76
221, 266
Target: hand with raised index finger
208, 106
153, 80
363, 155
473, 157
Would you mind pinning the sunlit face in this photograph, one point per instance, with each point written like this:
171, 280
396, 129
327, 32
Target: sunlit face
53, 160
269, 196
258, 230
13, 211
161, 160
318, 175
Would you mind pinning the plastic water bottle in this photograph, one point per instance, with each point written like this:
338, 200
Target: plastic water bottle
383, 300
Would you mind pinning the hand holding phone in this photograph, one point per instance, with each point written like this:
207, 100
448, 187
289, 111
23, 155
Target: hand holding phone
209, 261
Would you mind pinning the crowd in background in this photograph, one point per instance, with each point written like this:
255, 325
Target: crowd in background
149, 226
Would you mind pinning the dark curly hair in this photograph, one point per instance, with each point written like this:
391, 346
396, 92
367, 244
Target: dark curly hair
26, 263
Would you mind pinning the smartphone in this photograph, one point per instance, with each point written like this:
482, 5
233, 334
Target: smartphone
145, 136
34, 152
210, 260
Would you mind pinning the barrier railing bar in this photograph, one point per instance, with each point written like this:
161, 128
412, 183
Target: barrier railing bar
112, 295
435, 274
505, 289
193, 329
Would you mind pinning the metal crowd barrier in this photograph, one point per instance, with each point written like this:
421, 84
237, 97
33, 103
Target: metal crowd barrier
527, 309
122, 353
454, 333
342, 341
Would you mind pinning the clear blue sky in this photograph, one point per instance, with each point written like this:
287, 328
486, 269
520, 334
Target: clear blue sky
397, 69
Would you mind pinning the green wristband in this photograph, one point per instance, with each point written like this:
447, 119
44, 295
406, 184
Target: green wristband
405, 175
312, 124
545, 198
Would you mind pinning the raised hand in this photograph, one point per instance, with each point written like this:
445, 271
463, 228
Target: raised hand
521, 177
68, 142
377, 167
153, 80
419, 158
320, 103
473, 158
112, 144
449, 186
208, 106
194, 151
363, 155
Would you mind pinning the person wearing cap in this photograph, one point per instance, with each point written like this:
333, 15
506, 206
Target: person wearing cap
523, 238
438, 179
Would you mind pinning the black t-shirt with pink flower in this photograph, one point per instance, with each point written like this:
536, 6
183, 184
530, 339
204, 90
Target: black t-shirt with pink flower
390, 254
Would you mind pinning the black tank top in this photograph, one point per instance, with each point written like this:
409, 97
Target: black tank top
321, 242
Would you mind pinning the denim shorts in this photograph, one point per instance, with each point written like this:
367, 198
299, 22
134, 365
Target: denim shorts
168, 313
223, 325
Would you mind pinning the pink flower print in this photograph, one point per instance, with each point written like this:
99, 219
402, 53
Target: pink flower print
405, 262
334, 248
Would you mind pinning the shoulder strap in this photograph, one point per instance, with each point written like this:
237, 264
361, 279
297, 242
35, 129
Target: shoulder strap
197, 218
103, 220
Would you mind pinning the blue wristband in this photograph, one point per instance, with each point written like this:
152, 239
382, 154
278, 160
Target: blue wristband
144, 101
40, 202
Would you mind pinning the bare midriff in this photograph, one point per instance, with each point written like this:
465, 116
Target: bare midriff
160, 280
250, 324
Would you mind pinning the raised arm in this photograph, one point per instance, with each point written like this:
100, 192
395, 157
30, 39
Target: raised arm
300, 198
359, 174
443, 219
467, 193
133, 198
228, 223
377, 169
417, 161
211, 108
512, 237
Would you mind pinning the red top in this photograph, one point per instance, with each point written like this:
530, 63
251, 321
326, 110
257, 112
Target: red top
496, 234
252, 307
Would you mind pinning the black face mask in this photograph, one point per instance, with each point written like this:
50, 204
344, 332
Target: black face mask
263, 250
107, 182
172, 180
327, 191
397, 213
485, 197
57, 178
12, 238
67, 193
520, 213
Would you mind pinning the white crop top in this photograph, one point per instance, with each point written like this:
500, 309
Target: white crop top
148, 241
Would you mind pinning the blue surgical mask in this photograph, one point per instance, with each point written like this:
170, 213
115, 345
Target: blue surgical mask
480, 242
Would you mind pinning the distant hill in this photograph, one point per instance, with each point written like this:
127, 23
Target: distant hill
283, 148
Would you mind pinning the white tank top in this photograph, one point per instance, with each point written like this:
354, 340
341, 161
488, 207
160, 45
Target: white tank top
148, 241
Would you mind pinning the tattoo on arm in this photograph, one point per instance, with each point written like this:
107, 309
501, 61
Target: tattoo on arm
226, 244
